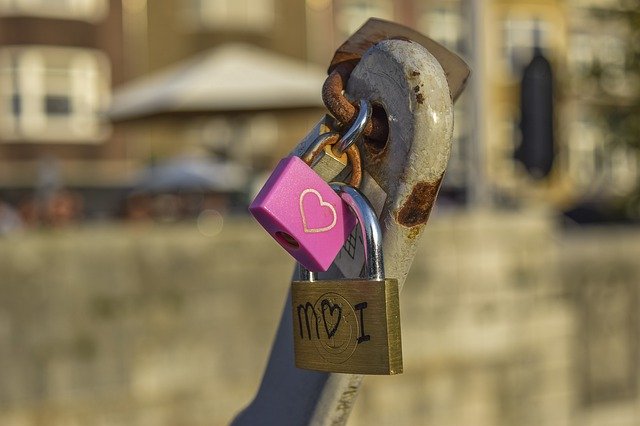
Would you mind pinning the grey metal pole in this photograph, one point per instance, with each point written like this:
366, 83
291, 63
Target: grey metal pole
477, 182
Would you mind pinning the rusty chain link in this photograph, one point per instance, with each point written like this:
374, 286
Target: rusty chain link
377, 129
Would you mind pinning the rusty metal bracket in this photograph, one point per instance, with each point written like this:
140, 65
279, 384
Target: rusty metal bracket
405, 172
348, 55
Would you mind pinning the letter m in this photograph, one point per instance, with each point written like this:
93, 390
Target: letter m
307, 308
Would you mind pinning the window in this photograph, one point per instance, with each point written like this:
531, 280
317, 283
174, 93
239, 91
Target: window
50, 93
230, 15
351, 14
84, 10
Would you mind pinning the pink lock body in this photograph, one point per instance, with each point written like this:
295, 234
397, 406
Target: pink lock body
303, 214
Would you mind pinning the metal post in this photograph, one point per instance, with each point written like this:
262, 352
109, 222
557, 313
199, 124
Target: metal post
412, 87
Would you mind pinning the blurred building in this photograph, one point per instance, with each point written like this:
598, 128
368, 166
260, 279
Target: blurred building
498, 39
589, 46
603, 104
58, 65
173, 30
222, 79
58, 62
236, 102
174, 33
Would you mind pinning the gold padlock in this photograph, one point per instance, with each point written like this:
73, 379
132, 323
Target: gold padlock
349, 325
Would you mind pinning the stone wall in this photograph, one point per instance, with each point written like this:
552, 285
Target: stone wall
136, 326
506, 321
486, 332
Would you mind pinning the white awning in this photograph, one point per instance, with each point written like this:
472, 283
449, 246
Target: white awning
233, 77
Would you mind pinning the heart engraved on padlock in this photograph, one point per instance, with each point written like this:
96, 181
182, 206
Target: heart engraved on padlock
307, 216
349, 325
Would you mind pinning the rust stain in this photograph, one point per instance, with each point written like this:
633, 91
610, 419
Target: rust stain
375, 155
415, 211
414, 232
419, 96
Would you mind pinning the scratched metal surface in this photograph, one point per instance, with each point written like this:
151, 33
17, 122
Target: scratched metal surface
409, 82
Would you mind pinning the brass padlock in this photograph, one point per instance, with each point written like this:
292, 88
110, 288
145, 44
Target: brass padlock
349, 325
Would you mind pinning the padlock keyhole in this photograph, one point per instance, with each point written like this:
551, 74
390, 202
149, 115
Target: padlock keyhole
287, 240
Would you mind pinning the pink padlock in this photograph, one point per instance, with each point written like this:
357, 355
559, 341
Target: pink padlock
303, 214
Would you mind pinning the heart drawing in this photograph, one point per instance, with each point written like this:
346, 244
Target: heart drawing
327, 305
310, 217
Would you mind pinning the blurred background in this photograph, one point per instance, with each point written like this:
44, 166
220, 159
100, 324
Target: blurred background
134, 133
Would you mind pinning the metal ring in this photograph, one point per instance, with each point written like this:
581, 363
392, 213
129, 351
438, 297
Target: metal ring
356, 165
353, 156
357, 127
370, 228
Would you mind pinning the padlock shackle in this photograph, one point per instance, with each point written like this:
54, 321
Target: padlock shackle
306, 275
357, 127
369, 226
370, 230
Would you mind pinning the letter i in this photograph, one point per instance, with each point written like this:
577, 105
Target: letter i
363, 337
